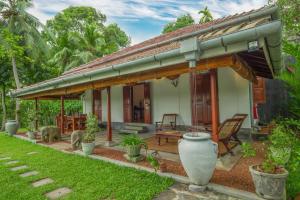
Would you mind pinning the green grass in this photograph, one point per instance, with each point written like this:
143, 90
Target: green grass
89, 179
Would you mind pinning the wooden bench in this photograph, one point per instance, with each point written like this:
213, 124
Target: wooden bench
167, 135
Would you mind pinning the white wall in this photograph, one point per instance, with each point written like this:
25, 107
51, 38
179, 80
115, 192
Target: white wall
169, 99
116, 104
165, 98
233, 95
88, 102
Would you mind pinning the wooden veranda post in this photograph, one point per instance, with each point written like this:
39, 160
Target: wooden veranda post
109, 131
214, 105
62, 115
36, 126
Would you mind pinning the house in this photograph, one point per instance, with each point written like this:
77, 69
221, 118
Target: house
203, 72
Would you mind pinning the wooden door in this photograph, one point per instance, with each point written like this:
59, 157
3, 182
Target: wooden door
147, 104
201, 99
259, 95
97, 104
127, 104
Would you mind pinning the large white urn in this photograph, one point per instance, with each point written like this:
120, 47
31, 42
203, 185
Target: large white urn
198, 155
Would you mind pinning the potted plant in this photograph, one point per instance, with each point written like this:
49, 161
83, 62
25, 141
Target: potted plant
156, 162
133, 144
88, 141
270, 176
11, 127
31, 119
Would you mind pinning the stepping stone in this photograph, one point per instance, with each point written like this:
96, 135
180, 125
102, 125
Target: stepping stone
42, 182
58, 193
19, 168
31, 173
31, 153
11, 162
5, 158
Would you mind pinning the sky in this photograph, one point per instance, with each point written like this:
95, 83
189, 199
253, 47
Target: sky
144, 19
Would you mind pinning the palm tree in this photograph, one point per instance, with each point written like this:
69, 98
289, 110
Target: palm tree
14, 16
206, 16
78, 48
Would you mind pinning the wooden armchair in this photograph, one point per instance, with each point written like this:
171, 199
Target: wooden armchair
168, 122
229, 129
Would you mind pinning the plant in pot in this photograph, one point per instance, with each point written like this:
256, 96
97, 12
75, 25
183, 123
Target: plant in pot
270, 176
88, 141
156, 162
31, 120
133, 144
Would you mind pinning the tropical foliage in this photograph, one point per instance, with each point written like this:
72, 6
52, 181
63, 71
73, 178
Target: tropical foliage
186, 20
78, 35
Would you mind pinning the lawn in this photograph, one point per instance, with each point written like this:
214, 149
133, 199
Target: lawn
88, 179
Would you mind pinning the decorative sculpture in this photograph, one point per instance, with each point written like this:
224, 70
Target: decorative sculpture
50, 134
76, 139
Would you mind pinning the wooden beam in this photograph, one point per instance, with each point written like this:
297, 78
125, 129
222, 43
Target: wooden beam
36, 114
242, 68
214, 105
62, 115
109, 130
205, 64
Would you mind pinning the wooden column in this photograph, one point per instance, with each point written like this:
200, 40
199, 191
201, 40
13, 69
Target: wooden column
36, 126
62, 114
109, 130
214, 105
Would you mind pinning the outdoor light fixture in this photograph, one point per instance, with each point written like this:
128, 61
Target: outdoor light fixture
253, 46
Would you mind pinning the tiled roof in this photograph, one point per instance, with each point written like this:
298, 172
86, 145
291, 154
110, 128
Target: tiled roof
139, 50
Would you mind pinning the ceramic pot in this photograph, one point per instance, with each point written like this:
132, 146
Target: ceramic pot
11, 127
88, 148
268, 186
133, 150
198, 155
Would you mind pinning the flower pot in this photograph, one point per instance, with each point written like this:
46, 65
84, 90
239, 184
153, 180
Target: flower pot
88, 148
133, 150
269, 186
11, 127
31, 135
198, 155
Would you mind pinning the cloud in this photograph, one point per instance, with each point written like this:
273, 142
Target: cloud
160, 11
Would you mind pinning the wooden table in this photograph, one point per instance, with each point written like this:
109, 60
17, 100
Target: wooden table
167, 135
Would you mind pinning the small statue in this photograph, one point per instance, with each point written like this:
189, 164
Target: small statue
76, 139
50, 134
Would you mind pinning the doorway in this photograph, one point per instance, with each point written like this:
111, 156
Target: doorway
136, 103
201, 99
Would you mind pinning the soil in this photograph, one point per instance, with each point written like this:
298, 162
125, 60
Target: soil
239, 177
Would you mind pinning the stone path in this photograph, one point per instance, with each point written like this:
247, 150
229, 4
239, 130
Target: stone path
55, 194
180, 192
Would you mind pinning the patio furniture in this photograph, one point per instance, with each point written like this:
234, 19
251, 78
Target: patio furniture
167, 135
168, 122
228, 131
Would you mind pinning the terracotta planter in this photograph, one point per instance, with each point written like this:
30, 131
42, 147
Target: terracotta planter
88, 148
11, 127
133, 150
269, 186
198, 155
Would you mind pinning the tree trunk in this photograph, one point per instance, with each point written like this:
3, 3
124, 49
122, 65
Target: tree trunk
18, 84
3, 108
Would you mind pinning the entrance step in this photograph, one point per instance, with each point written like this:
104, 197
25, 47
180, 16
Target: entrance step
134, 128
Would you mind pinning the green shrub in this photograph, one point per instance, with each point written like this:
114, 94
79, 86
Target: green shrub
248, 150
132, 139
91, 128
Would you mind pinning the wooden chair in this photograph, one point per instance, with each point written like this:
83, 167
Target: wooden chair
227, 131
168, 122
242, 117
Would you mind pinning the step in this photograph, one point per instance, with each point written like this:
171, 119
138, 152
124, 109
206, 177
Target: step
129, 131
138, 128
137, 124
